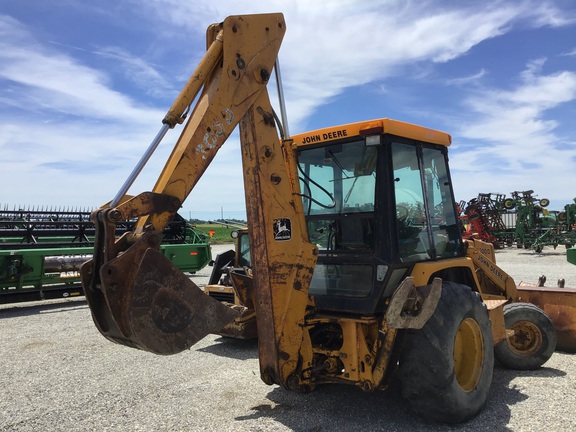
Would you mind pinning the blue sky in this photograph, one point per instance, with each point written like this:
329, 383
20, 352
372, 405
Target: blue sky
84, 87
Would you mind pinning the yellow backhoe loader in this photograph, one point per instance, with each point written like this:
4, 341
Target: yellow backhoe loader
359, 272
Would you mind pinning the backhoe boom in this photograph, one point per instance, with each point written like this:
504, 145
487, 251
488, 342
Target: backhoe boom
137, 297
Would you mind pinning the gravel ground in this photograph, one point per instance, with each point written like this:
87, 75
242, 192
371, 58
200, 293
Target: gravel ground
61, 375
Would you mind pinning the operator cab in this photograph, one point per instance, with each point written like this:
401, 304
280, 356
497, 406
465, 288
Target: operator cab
378, 198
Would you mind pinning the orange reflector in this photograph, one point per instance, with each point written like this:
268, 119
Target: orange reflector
193, 253
375, 130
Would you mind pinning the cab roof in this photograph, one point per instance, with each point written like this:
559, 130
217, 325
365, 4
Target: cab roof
373, 127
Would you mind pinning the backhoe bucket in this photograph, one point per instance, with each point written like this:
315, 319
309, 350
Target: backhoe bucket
144, 301
560, 305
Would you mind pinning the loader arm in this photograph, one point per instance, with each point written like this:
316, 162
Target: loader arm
137, 298
482, 255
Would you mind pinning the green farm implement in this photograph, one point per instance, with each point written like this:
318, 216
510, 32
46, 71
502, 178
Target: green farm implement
537, 227
568, 218
41, 251
571, 255
522, 219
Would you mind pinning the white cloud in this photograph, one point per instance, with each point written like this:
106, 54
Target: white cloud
377, 46
510, 135
467, 80
334, 45
82, 117
50, 81
519, 112
547, 14
65, 121
140, 72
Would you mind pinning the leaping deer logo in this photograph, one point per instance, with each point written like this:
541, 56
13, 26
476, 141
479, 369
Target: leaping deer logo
282, 229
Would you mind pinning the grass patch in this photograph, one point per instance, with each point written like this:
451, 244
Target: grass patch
221, 233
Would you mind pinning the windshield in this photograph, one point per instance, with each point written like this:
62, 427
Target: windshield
338, 184
338, 179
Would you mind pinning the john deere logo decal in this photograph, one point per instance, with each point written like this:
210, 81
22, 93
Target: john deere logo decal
282, 229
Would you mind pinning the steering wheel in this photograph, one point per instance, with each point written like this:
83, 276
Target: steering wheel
402, 212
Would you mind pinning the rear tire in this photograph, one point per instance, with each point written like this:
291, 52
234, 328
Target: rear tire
446, 367
534, 340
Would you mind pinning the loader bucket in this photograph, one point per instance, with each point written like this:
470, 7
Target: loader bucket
560, 305
244, 326
143, 301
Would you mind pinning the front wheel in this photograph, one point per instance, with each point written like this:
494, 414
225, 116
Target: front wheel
533, 341
446, 367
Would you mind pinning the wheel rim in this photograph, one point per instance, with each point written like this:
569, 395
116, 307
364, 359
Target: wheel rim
527, 338
468, 354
